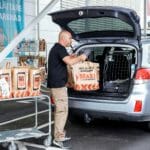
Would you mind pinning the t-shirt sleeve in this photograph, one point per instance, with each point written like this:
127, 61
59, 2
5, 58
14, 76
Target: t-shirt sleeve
63, 53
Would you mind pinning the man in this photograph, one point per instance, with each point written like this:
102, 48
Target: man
57, 80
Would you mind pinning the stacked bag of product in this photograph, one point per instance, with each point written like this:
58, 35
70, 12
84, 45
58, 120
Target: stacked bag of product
84, 76
5, 82
19, 81
34, 81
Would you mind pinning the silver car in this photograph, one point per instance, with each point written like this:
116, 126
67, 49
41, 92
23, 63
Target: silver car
113, 35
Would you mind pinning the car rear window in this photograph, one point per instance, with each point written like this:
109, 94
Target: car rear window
99, 24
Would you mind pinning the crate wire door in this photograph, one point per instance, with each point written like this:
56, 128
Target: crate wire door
117, 70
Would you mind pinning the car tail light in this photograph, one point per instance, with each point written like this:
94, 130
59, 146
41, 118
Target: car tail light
142, 75
138, 106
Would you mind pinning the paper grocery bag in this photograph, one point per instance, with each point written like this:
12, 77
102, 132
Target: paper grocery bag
43, 74
70, 82
84, 76
6, 82
4, 89
34, 81
20, 81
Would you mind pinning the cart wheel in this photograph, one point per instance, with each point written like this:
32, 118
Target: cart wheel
47, 141
5, 144
12, 146
21, 146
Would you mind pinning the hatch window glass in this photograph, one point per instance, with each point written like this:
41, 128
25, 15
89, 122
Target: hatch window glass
99, 24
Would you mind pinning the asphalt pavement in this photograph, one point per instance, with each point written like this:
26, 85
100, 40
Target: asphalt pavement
98, 135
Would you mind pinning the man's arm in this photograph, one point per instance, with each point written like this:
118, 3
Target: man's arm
69, 60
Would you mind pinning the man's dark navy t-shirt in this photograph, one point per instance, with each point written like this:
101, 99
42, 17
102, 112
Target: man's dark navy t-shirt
57, 69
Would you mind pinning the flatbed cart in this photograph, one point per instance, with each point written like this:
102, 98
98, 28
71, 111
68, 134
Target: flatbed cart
13, 136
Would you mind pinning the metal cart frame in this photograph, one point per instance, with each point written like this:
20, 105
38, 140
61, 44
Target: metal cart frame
13, 136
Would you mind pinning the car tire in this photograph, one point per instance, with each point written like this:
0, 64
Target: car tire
147, 126
73, 118
76, 117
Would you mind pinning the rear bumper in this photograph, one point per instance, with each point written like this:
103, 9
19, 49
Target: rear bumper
113, 111
111, 115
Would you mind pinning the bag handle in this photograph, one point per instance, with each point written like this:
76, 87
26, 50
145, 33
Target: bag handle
8, 65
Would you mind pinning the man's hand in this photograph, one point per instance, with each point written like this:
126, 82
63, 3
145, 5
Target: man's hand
83, 57
87, 52
73, 55
69, 60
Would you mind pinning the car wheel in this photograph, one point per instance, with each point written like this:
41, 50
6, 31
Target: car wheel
147, 126
87, 118
73, 117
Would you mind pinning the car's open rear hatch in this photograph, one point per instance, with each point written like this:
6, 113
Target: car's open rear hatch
99, 22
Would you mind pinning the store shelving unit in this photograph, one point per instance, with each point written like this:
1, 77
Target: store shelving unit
32, 52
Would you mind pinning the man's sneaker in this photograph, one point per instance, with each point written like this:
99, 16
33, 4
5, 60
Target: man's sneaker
60, 144
65, 139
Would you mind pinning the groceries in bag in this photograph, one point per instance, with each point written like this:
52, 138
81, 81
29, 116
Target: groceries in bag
84, 76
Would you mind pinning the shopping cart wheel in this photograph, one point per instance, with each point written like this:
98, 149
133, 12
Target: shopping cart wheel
21, 146
5, 144
12, 146
48, 141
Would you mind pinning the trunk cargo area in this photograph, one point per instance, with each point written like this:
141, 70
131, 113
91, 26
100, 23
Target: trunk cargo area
117, 69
